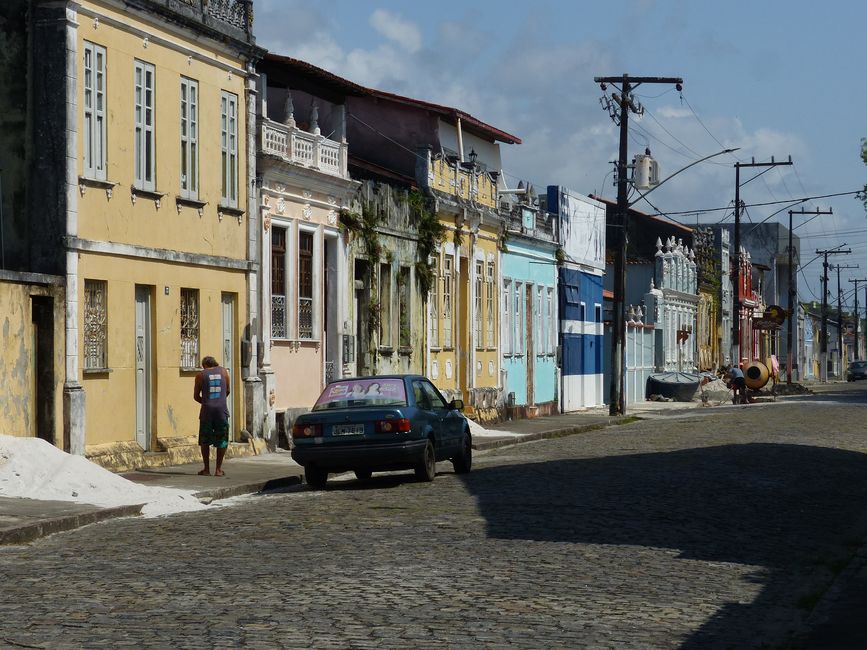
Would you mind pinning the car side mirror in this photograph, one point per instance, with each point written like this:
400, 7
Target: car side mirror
456, 405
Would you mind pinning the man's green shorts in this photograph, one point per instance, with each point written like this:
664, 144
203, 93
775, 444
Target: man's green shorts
215, 434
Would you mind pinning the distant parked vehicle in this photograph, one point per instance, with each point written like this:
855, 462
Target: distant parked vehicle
381, 423
857, 370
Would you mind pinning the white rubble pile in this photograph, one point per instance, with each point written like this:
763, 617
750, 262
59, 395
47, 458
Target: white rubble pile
478, 431
31, 468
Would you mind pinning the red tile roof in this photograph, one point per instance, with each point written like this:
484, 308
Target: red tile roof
351, 88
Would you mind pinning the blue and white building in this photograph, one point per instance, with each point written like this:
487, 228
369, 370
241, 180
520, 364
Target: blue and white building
582, 241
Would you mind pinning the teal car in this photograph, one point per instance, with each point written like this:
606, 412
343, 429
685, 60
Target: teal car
382, 423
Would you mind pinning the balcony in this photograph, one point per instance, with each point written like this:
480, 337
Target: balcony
232, 18
460, 180
298, 147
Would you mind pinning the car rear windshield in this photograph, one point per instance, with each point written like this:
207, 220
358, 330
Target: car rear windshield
354, 393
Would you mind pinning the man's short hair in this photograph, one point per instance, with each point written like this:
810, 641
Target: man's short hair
209, 362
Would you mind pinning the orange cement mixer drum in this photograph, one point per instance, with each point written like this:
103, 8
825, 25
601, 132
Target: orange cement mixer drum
756, 375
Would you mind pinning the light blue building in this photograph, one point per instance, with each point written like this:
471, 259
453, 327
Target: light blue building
581, 225
528, 319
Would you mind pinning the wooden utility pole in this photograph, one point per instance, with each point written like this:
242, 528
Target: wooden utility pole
840, 267
792, 293
623, 104
857, 316
736, 307
823, 354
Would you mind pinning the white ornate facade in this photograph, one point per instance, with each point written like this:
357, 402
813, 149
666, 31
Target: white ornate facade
672, 305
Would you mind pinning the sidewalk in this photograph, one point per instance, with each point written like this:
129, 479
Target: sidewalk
24, 520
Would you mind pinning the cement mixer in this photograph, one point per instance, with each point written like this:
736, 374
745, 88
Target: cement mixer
756, 375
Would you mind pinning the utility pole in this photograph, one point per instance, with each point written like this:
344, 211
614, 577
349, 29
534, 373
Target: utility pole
857, 316
840, 313
619, 111
823, 354
792, 292
736, 307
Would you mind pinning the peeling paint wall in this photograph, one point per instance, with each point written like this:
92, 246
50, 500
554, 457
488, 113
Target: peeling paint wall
398, 344
19, 406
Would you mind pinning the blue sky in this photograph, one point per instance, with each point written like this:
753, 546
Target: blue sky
774, 78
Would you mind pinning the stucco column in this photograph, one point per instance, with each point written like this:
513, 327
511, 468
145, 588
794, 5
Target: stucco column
254, 399
73, 392
266, 373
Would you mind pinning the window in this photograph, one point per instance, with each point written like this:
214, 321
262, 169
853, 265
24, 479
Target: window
305, 285
480, 286
518, 314
434, 302
278, 283
189, 328
94, 111
539, 325
597, 312
189, 139
385, 305
552, 323
403, 299
144, 126
507, 324
489, 293
95, 325
229, 145
448, 266
433, 395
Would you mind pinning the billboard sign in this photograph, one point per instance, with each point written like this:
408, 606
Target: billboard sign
582, 226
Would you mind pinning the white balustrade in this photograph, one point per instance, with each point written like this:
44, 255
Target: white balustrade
302, 148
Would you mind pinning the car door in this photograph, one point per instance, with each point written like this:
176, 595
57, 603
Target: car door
426, 418
449, 426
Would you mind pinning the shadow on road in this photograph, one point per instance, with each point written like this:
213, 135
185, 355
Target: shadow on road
788, 508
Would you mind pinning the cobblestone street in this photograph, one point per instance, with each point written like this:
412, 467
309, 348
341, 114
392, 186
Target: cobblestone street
716, 528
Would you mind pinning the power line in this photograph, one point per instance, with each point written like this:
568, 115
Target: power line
758, 205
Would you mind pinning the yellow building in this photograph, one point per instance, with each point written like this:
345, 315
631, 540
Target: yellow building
152, 116
463, 317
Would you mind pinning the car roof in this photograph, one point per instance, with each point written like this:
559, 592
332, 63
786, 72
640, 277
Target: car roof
406, 376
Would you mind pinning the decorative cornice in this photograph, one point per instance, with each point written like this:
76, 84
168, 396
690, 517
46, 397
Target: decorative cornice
161, 254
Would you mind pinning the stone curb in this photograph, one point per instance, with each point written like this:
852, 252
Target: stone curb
484, 445
208, 496
30, 532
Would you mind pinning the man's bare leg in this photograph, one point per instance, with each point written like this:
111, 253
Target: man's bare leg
206, 459
221, 453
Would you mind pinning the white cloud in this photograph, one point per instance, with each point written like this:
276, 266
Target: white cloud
396, 29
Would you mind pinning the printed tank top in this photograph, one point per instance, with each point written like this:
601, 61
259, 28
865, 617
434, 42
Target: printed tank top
214, 407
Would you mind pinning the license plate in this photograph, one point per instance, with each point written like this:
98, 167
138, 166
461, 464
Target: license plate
348, 430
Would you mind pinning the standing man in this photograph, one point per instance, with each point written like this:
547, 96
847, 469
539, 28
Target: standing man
211, 390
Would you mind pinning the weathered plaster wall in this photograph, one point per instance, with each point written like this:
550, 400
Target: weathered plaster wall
13, 131
18, 404
47, 137
397, 235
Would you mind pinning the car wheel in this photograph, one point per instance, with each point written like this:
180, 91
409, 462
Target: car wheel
463, 462
363, 474
315, 477
427, 467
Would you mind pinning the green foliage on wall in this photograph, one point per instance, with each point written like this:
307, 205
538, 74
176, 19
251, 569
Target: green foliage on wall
364, 226
430, 234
